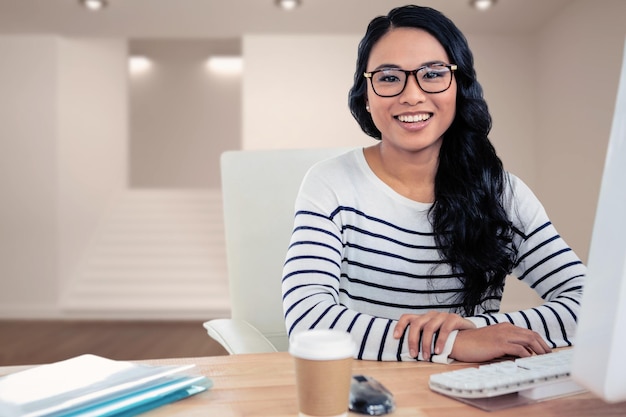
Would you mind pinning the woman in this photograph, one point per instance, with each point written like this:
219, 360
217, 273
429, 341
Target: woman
406, 244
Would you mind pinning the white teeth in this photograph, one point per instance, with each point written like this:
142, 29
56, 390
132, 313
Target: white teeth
414, 118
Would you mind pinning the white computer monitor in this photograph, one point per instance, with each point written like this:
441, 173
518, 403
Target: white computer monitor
599, 361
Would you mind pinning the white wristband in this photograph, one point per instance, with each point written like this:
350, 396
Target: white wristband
447, 349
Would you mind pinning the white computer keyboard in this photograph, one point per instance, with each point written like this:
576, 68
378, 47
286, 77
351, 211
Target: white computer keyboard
536, 377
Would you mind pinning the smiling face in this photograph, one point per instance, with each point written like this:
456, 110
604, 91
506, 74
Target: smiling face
413, 121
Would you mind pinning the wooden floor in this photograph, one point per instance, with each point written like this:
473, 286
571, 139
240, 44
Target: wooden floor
25, 342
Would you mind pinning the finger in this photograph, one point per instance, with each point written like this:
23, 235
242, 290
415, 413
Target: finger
442, 338
428, 334
533, 342
437, 331
401, 326
447, 327
546, 347
539, 346
415, 339
517, 350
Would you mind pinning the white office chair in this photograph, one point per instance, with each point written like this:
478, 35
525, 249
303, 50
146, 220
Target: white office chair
259, 190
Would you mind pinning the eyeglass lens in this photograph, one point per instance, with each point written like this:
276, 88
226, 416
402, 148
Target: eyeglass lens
431, 79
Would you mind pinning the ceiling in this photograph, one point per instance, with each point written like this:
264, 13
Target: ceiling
234, 18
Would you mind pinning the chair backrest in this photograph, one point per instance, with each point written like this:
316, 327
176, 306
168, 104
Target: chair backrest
259, 189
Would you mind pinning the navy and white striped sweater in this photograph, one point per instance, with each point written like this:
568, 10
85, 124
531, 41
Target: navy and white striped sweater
361, 255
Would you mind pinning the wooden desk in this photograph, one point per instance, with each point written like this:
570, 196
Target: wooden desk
264, 385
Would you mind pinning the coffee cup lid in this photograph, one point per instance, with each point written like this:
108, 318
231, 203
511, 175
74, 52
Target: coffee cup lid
322, 344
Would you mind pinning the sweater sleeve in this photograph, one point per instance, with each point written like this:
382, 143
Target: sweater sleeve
548, 266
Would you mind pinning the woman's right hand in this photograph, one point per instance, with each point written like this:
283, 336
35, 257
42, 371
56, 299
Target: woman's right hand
423, 327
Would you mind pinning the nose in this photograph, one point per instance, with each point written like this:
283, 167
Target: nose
412, 93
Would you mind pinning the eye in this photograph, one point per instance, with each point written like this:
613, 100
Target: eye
389, 76
434, 73
431, 74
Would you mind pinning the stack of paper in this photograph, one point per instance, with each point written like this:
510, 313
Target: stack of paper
90, 385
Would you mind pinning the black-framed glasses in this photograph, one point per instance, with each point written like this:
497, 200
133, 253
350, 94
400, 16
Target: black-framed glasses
391, 82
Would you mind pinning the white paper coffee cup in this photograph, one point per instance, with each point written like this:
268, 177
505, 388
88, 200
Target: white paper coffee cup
323, 360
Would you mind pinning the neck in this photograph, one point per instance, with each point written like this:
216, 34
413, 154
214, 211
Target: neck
411, 175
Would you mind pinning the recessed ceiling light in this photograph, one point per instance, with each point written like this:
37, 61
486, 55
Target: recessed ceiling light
138, 64
288, 4
482, 4
94, 4
225, 64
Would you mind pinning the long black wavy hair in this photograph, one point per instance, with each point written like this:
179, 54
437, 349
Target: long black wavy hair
470, 224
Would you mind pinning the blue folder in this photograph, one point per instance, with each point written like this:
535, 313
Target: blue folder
92, 386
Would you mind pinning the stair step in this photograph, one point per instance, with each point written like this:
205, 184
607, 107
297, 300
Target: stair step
157, 251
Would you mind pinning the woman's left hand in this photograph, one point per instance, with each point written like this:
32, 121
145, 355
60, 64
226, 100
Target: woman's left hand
427, 325
497, 340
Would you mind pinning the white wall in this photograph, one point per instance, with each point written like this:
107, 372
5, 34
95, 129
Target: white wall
580, 55
502, 69
295, 92
182, 115
92, 113
63, 133
28, 173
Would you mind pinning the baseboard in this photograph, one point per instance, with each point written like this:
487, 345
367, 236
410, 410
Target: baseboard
47, 312
29, 311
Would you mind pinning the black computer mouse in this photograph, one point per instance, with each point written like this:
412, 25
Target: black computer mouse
370, 397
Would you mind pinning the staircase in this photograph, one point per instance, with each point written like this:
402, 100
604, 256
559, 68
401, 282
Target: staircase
158, 254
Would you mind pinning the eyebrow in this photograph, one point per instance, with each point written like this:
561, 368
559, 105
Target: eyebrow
394, 66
